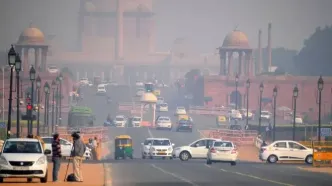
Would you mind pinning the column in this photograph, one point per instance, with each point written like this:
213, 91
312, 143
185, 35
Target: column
240, 66
249, 63
43, 59
230, 65
222, 70
37, 62
25, 60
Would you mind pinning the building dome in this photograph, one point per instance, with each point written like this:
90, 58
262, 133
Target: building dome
236, 39
31, 36
90, 7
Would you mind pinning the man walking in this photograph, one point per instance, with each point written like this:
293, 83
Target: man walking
94, 148
77, 154
56, 156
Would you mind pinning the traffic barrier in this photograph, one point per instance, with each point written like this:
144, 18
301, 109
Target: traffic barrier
215, 111
238, 137
146, 124
322, 155
129, 106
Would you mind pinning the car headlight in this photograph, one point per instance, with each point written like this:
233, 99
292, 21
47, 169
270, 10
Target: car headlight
3, 161
41, 160
170, 149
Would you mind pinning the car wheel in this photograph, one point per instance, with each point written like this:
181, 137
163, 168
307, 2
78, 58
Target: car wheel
184, 156
272, 159
233, 163
43, 180
1, 180
143, 157
208, 161
308, 159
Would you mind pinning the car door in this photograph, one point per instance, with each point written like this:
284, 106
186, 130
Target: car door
281, 150
66, 147
198, 149
297, 151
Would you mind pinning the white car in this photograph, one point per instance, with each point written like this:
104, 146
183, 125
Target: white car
266, 115
160, 100
161, 147
140, 92
222, 151
136, 121
163, 107
164, 122
23, 158
145, 149
84, 81
235, 114
298, 120
101, 89
53, 69
244, 114
66, 147
139, 84
195, 150
120, 121
180, 111
285, 151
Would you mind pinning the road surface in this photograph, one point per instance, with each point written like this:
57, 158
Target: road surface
194, 172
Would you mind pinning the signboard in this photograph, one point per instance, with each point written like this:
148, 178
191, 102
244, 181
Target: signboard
2, 125
325, 132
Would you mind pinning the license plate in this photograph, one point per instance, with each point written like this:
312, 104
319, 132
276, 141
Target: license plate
161, 153
21, 168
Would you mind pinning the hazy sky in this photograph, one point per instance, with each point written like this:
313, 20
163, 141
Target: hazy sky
204, 22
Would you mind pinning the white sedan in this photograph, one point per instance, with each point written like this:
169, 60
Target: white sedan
161, 147
164, 122
145, 149
24, 158
180, 111
222, 151
163, 107
120, 121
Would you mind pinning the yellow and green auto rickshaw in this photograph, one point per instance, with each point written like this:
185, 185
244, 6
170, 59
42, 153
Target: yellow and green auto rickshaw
123, 147
221, 121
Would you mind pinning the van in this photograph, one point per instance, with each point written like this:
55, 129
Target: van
101, 89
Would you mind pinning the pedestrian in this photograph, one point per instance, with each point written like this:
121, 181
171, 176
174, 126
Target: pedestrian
77, 154
56, 156
94, 148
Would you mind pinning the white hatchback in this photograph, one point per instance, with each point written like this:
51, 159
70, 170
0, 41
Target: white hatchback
161, 147
286, 151
145, 148
222, 151
180, 111
164, 122
120, 121
163, 107
23, 158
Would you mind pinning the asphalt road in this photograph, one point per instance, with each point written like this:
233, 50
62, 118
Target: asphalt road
194, 172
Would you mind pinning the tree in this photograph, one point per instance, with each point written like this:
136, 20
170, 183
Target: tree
315, 57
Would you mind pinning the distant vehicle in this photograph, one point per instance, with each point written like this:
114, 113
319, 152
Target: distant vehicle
160, 100
184, 125
266, 115
80, 116
139, 84
244, 114
96, 80
84, 81
24, 158
162, 107
164, 122
120, 121
286, 150
140, 92
235, 114
298, 120
135, 121
180, 111
222, 151
53, 69
161, 147
145, 149
101, 89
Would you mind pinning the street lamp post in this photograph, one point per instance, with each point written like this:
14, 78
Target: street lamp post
261, 88
53, 96
295, 95
57, 81
11, 63
60, 97
275, 93
236, 86
18, 68
38, 84
247, 86
320, 88
32, 79
47, 91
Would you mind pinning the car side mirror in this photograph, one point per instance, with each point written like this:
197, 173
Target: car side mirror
47, 151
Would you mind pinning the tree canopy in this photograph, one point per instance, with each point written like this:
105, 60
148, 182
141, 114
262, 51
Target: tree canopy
315, 57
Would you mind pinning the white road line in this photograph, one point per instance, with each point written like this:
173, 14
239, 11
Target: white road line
201, 133
150, 133
174, 175
253, 177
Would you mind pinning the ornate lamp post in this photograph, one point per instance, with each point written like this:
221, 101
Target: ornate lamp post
53, 97
261, 88
11, 63
275, 93
18, 68
247, 86
236, 86
32, 79
320, 88
60, 97
295, 95
47, 91
38, 84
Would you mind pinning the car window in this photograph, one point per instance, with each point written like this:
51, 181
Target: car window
210, 142
223, 144
47, 140
199, 143
280, 145
147, 142
22, 147
161, 143
295, 146
63, 142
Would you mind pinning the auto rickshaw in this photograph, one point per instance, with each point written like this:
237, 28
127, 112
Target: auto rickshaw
123, 147
221, 121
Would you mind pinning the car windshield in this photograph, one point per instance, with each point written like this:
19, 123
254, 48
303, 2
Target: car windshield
180, 108
52, 67
163, 119
22, 147
222, 144
77, 119
265, 113
163, 105
148, 142
136, 119
161, 143
184, 122
119, 119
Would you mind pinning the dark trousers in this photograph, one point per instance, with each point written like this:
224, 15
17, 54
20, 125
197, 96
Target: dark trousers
56, 167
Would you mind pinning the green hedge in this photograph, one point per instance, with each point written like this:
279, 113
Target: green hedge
24, 123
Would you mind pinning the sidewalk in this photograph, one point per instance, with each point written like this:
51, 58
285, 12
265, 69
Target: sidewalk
327, 170
93, 175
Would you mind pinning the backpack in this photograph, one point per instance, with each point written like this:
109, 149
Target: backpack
71, 178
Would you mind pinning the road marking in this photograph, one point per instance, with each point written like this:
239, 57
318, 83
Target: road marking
174, 175
108, 175
201, 133
252, 176
150, 133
